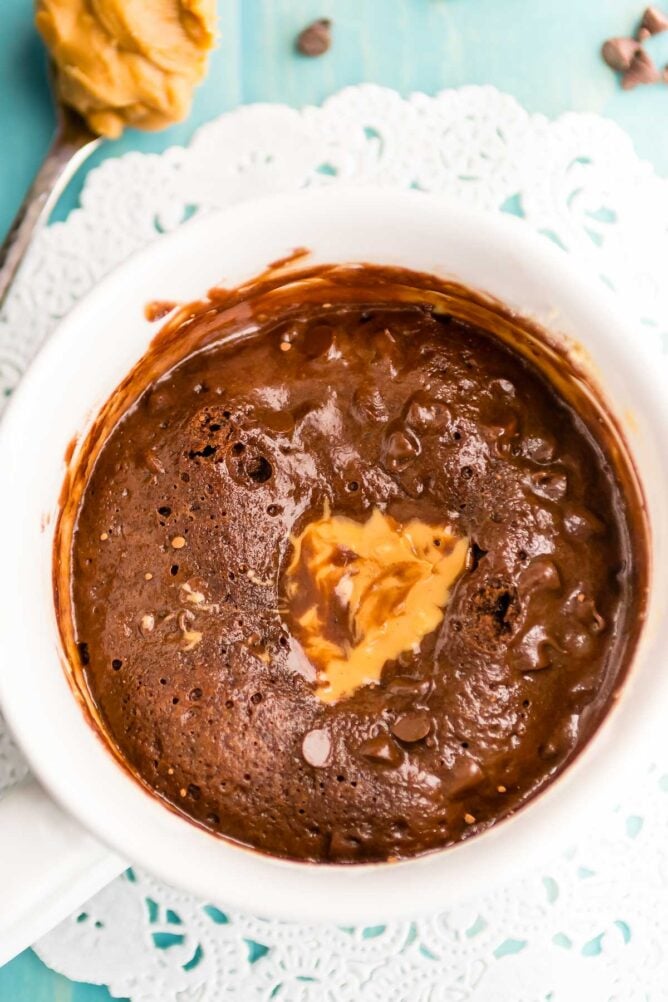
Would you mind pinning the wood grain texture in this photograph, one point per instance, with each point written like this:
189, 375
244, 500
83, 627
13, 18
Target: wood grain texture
545, 52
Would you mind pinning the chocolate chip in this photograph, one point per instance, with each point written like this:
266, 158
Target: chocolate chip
368, 405
381, 750
619, 53
423, 411
318, 342
400, 449
502, 425
503, 387
536, 649
540, 448
654, 21
464, 776
342, 844
549, 484
642, 70
577, 641
316, 38
404, 685
316, 748
582, 523
412, 727
542, 574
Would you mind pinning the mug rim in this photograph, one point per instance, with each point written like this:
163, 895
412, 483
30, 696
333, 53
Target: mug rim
228, 872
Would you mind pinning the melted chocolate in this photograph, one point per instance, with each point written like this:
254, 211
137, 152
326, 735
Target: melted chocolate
351, 388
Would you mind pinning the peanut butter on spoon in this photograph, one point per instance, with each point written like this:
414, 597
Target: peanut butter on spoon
128, 62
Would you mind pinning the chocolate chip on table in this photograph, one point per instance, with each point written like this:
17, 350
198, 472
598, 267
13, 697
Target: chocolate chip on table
619, 53
412, 727
654, 21
316, 38
643, 70
627, 56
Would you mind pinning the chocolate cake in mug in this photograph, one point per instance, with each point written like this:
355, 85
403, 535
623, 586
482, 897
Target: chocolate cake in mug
355, 564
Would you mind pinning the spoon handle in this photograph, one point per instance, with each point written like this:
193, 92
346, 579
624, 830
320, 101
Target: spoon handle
72, 143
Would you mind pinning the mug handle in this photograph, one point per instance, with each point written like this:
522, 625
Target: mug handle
49, 865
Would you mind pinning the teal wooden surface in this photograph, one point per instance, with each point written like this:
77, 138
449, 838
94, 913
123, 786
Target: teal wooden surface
26, 979
545, 52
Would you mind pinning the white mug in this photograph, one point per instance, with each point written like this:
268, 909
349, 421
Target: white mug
48, 861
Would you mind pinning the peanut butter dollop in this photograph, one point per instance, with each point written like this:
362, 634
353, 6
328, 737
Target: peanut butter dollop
362, 593
128, 62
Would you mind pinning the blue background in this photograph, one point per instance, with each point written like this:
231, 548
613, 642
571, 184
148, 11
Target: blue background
544, 52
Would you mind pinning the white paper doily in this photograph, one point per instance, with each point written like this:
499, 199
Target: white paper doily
589, 926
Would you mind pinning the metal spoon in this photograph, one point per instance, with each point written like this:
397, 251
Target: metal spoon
72, 143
